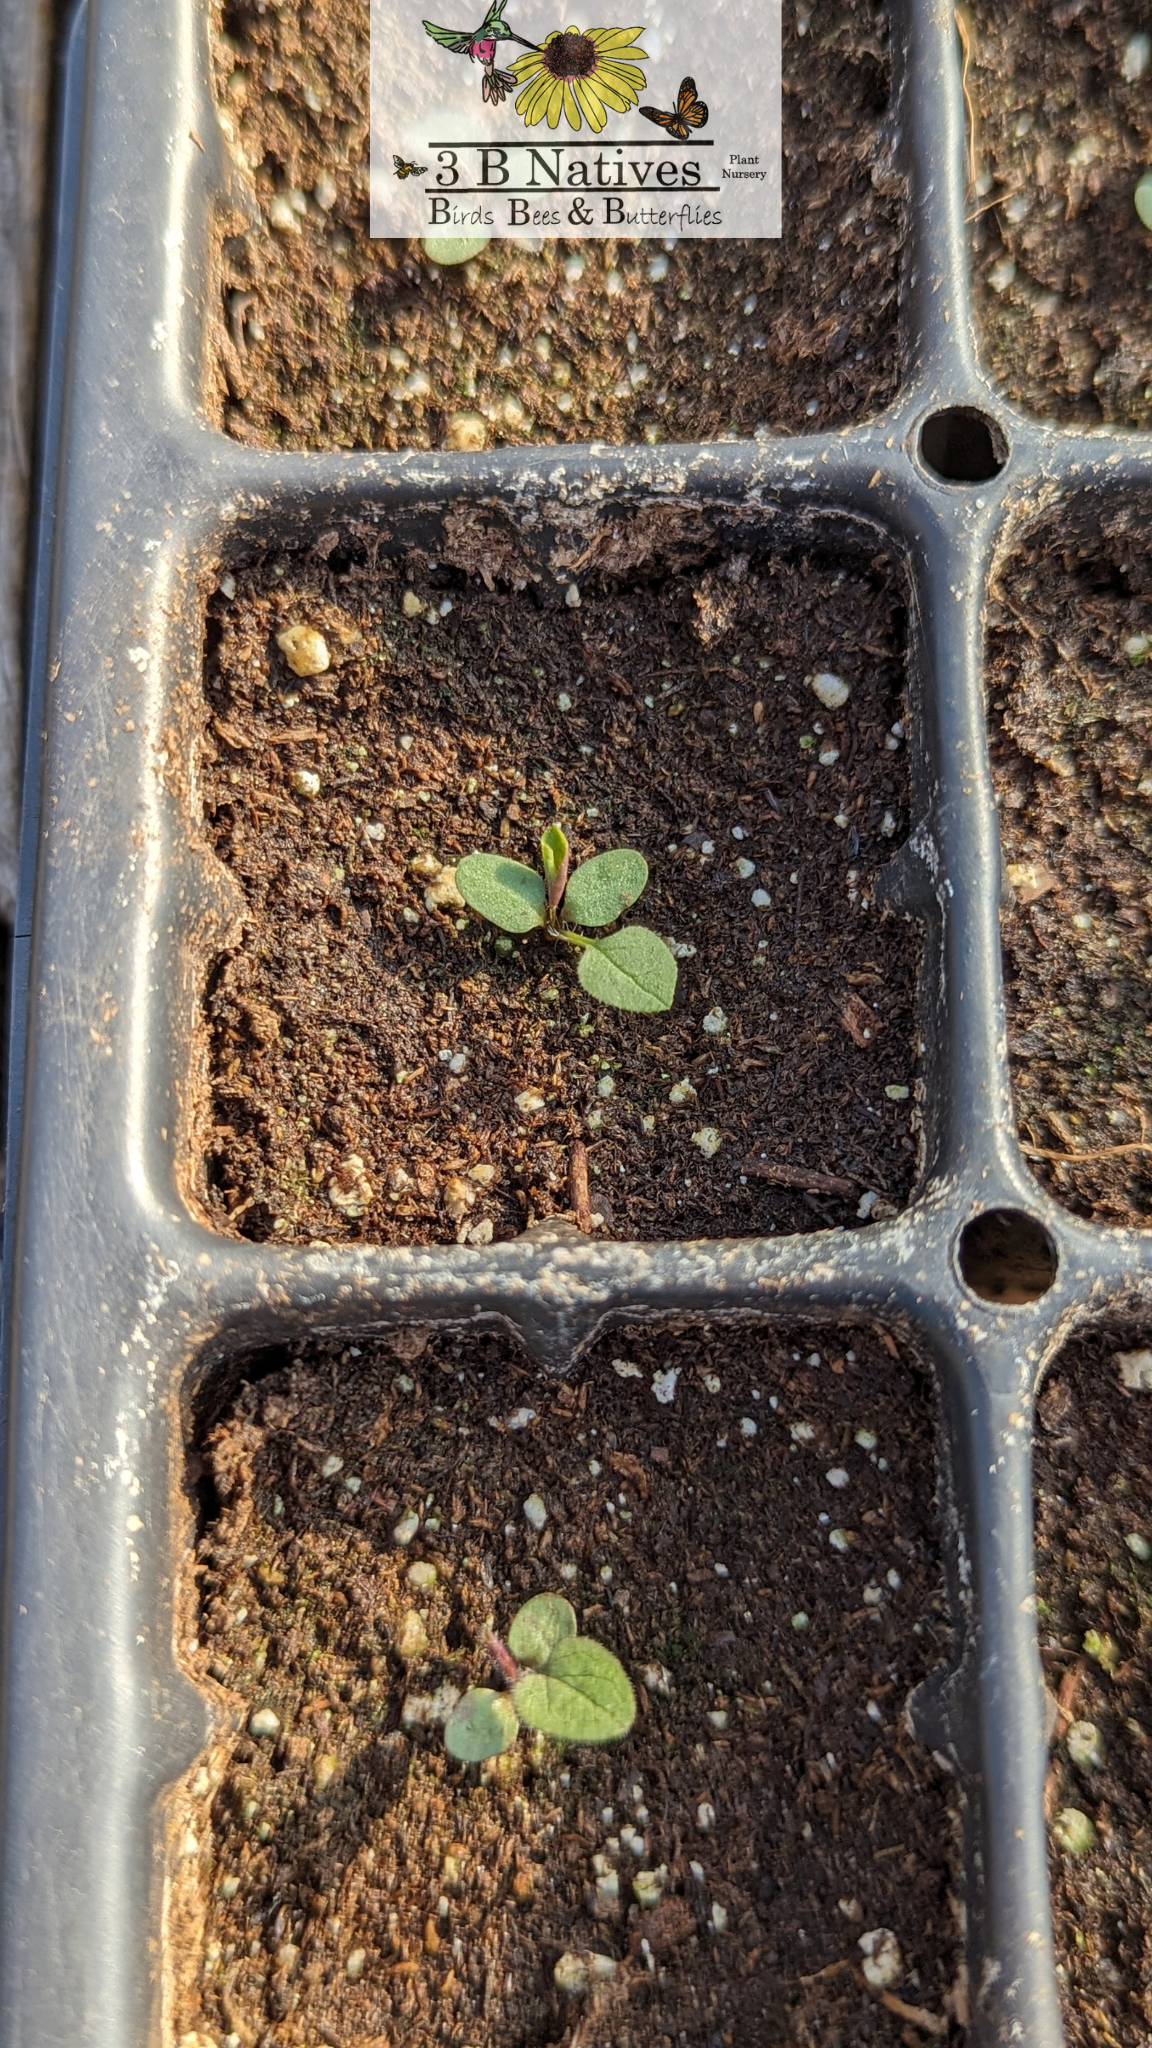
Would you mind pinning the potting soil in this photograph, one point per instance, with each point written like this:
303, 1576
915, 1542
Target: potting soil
324, 339
1093, 1501
386, 1066
1069, 708
1062, 103
746, 1521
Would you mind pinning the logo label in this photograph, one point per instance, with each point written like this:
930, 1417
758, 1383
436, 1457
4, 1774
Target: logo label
526, 125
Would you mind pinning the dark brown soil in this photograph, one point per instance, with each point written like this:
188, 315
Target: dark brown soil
1094, 1493
349, 1838
329, 340
1061, 140
1073, 765
335, 1024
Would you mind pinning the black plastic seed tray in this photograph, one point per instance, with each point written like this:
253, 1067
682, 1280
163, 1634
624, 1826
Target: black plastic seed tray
116, 1296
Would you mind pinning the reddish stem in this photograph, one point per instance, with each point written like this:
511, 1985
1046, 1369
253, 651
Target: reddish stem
503, 1659
559, 884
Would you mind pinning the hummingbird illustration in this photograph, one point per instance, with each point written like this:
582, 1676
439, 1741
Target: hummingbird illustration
480, 44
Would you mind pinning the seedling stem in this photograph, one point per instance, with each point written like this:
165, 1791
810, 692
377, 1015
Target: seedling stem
629, 969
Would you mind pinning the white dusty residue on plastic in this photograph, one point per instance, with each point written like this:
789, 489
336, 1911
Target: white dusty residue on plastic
970, 1328
122, 1461
555, 1290
923, 845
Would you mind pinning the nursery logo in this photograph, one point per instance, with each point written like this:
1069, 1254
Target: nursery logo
523, 127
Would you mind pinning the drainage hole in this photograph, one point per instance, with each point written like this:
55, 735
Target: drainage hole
1005, 1255
963, 446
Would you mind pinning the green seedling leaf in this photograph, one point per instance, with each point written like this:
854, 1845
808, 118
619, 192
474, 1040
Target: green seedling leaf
1073, 1831
481, 1725
584, 1695
1105, 1650
540, 1625
605, 887
1085, 1748
554, 859
630, 970
504, 891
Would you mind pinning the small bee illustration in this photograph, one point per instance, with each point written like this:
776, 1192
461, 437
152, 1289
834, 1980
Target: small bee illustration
404, 170
690, 112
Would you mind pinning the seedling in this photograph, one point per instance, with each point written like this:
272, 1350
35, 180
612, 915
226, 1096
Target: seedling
630, 969
560, 1683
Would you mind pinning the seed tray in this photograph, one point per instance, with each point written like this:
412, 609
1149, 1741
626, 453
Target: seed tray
118, 1300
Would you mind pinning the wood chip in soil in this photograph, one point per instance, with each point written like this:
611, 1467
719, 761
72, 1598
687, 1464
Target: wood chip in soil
390, 1071
356, 1885
1063, 101
1093, 1501
1073, 770
325, 339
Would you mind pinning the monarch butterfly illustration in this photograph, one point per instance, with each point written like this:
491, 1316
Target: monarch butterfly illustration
690, 112
404, 170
